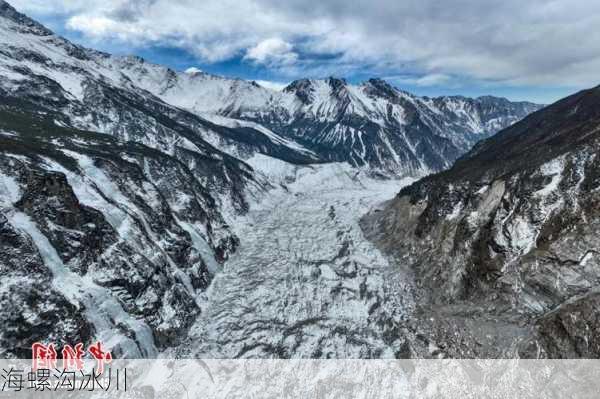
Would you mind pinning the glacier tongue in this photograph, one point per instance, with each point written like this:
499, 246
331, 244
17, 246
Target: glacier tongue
305, 282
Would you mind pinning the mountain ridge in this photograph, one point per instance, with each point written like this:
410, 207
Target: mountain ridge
504, 244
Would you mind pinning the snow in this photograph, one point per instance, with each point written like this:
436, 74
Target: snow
587, 258
99, 306
554, 169
70, 82
128, 214
304, 271
523, 234
94, 188
10, 191
272, 136
208, 96
458, 207
275, 170
194, 90
483, 189
200, 244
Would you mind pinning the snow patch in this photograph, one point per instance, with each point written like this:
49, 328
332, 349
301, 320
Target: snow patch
10, 191
554, 169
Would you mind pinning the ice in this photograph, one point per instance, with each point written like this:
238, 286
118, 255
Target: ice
100, 307
305, 279
275, 170
9, 191
200, 244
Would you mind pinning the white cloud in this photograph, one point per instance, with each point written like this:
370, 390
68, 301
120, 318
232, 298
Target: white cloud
278, 86
101, 26
193, 70
273, 51
435, 79
511, 42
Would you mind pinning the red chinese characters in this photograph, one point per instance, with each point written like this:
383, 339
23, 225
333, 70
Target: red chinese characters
101, 356
73, 357
45, 356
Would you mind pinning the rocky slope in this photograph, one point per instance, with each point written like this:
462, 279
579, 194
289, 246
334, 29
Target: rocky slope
504, 246
372, 124
100, 238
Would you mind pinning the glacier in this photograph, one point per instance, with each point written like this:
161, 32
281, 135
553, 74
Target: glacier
304, 281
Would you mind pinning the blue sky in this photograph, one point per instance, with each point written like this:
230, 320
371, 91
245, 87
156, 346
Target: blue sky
539, 51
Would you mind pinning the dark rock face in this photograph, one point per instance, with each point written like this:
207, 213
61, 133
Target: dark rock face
572, 330
100, 238
80, 233
505, 244
32, 310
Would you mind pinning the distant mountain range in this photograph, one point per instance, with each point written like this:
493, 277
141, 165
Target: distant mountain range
373, 124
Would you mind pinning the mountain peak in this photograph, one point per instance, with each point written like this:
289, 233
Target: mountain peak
9, 12
302, 88
336, 83
380, 87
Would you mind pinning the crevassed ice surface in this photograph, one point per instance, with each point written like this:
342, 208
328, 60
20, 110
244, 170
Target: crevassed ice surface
305, 282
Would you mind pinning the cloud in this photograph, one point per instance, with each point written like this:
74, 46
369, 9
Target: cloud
506, 42
435, 79
193, 70
273, 51
278, 86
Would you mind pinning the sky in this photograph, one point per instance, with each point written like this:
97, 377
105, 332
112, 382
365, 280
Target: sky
536, 50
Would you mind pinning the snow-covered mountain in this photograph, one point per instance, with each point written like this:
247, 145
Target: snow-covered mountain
376, 124
121, 183
114, 204
96, 91
372, 124
505, 245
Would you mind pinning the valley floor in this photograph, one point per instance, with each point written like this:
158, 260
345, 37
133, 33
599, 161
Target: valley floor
305, 282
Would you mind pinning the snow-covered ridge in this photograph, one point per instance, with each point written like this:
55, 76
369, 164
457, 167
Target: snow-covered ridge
82, 75
370, 124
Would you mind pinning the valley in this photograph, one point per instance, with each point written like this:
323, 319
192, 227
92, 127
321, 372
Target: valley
304, 281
